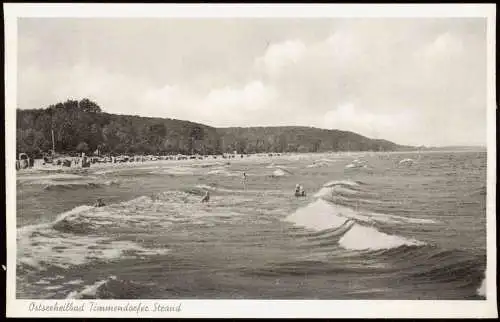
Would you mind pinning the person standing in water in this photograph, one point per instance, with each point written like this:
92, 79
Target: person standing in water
245, 180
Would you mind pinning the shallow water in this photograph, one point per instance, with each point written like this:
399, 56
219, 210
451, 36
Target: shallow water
382, 230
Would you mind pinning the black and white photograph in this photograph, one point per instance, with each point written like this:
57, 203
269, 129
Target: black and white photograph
253, 157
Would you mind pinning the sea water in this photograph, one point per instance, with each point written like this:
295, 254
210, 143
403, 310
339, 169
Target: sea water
383, 230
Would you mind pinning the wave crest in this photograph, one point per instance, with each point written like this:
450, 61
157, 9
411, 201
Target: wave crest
321, 215
360, 237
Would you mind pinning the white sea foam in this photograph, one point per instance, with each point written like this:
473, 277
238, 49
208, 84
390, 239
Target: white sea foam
357, 164
223, 172
341, 182
205, 187
317, 215
55, 243
324, 193
72, 212
55, 176
91, 290
343, 190
237, 191
279, 173
86, 233
369, 238
217, 171
366, 216
337, 188
334, 190
65, 250
481, 291
320, 215
67, 181
118, 167
318, 165
178, 171
400, 219
406, 161
326, 160
75, 282
108, 171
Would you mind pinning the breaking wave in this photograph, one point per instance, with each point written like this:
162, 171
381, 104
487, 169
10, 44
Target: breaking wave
352, 243
86, 234
481, 291
118, 231
111, 287
358, 228
64, 181
57, 186
223, 172
177, 171
360, 237
321, 215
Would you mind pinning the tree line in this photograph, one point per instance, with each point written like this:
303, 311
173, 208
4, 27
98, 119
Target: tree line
82, 126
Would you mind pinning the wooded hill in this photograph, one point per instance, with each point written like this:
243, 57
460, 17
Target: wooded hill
82, 126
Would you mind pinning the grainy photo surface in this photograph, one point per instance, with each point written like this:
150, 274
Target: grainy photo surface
255, 158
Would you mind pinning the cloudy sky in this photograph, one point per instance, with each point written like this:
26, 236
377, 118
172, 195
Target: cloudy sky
412, 81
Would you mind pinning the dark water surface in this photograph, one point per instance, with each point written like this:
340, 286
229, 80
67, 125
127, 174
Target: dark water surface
384, 231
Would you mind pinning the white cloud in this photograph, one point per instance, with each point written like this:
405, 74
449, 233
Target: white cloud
115, 93
444, 46
413, 81
168, 101
398, 89
279, 55
253, 96
346, 117
341, 47
165, 95
83, 81
224, 106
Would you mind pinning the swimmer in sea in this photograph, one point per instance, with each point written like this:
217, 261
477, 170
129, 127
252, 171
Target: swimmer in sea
206, 198
99, 203
302, 191
297, 190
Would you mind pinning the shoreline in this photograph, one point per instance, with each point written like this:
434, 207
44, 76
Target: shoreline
210, 160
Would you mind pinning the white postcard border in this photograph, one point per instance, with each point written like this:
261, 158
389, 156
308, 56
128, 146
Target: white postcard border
250, 308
